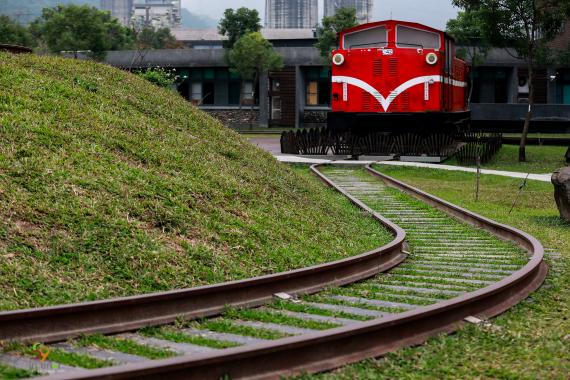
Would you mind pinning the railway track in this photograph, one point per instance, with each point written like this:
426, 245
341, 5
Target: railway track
460, 265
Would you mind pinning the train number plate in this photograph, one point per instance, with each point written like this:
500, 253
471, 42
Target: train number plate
387, 52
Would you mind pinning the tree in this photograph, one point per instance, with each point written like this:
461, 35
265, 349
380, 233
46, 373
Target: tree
328, 33
237, 24
527, 26
151, 38
80, 28
12, 33
252, 55
468, 31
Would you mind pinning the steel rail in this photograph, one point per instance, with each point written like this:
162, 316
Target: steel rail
330, 349
58, 323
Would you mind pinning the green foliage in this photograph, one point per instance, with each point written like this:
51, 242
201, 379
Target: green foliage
80, 28
151, 38
111, 186
12, 33
468, 30
525, 25
328, 33
159, 76
252, 54
26, 11
237, 24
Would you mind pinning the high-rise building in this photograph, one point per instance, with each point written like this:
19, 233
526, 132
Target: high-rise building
157, 13
363, 8
120, 9
291, 14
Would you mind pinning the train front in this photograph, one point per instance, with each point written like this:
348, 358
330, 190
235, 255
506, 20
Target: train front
396, 76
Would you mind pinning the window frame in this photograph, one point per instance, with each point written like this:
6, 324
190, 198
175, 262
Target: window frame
417, 46
363, 30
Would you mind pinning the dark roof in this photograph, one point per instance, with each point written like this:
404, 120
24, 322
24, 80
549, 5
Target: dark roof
292, 56
15, 48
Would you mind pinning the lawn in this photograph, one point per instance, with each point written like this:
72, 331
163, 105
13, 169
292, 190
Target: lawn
110, 186
534, 337
540, 159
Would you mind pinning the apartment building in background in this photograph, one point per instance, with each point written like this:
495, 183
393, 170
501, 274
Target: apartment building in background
363, 8
291, 14
120, 9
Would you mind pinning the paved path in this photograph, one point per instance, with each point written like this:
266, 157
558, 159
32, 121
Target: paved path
304, 160
272, 145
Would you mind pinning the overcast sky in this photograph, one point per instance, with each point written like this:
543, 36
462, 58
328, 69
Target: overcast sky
434, 13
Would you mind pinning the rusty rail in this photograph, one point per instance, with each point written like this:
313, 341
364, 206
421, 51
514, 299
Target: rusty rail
332, 348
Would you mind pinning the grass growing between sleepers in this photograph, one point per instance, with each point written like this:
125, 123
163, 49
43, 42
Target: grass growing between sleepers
226, 326
9, 373
125, 345
533, 341
169, 333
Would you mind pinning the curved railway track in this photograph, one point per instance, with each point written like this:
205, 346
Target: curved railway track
460, 265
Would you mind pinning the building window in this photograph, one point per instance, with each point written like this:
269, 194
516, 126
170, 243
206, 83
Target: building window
318, 91
276, 108
234, 92
313, 93
196, 96
563, 87
209, 92
248, 96
219, 87
491, 85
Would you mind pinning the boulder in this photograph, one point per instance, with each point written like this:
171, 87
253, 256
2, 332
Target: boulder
561, 182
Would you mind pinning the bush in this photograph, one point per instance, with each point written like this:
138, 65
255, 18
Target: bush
159, 76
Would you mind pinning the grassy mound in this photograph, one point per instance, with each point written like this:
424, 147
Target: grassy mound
111, 186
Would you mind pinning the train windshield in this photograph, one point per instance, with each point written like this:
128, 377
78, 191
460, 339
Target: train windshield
407, 37
376, 37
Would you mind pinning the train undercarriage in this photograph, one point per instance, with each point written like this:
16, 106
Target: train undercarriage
407, 136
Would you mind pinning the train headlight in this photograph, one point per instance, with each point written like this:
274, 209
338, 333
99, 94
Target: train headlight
431, 59
338, 59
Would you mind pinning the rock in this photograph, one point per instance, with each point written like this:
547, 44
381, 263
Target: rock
561, 182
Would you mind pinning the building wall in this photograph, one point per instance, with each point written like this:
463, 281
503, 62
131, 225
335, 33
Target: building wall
291, 14
120, 9
363, 8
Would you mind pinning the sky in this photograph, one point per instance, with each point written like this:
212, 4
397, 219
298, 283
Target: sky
434, 13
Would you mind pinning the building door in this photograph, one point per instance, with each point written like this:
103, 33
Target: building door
282, 97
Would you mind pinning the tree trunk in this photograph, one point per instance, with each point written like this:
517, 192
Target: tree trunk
522, 147
254, 86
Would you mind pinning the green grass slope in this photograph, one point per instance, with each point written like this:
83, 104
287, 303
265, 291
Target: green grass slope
110, 186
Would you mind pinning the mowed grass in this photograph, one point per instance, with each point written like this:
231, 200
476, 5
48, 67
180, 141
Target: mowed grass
110, 186
533, 341
540, 159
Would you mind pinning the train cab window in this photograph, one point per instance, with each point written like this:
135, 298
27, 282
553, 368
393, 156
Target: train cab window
376, 37
407, 37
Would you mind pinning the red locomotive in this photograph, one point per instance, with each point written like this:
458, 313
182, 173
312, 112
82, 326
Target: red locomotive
396, 76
